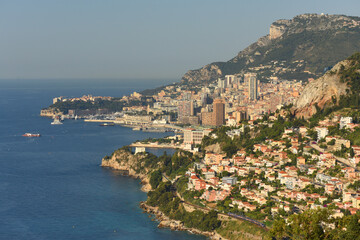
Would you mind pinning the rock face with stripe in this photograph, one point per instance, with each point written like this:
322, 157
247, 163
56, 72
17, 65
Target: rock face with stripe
322, 92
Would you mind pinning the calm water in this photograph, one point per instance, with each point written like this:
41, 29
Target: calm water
52, 187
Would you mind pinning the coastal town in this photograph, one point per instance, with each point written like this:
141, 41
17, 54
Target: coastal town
180, 120
226, 101
298, 167
268, 145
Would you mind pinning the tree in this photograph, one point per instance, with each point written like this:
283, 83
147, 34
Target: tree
278, 230
229, 148
331, 142
352, 153
155, 179
307, 225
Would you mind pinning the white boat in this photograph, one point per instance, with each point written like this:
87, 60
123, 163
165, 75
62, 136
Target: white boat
56, 122
31, 135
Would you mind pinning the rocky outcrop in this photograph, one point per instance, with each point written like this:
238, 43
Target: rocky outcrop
278, 28
214, 148
124, 160
323, 92
166, 222
206, 73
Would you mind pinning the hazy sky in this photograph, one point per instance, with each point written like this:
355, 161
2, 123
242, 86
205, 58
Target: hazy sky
46, 39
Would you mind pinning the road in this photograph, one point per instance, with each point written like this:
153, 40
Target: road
344, 161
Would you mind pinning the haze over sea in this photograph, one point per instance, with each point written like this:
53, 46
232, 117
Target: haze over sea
52, 187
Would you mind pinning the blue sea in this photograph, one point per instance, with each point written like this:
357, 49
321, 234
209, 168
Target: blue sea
53, 187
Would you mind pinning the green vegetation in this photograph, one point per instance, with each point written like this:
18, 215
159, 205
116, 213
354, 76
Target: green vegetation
234, 230
248, 138
64, 107
355, 185
155, 179
170, 206
171, 166
114, 105
314, 224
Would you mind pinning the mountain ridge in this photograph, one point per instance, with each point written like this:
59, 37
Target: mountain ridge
318, 40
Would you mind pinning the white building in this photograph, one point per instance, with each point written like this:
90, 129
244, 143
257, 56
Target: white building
140, 150
192, 136
322, 132
344, 121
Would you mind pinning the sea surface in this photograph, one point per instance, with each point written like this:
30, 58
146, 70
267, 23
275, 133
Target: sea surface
53, 187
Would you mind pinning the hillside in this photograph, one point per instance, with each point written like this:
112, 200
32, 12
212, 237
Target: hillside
294, 49
336, 89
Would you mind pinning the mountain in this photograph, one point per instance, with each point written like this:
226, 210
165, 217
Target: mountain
294, 49
336, 89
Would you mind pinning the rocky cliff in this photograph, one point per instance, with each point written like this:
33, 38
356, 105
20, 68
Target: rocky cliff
306, 37
133, 164
322, 92
166, 222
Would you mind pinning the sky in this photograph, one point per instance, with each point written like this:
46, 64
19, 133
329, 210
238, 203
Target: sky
136, 39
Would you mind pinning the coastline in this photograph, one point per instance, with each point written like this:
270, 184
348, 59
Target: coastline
175, 225
164, 221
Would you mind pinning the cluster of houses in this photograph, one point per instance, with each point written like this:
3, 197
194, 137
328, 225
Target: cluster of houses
275, 176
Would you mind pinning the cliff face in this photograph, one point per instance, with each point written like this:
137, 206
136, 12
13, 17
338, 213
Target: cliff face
126, 161
321, 92
206, 73
307, 37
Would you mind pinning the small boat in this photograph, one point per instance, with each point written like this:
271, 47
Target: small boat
107, 124
56, 122
31, 135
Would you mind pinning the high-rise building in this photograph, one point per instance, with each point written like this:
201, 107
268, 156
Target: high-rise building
221, 83
185, 110
230, 79
204, 98
219, 112
253, 85
187, 96
207, 118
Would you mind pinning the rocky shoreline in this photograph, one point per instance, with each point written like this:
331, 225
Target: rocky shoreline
164, 221
113, 163
175, 225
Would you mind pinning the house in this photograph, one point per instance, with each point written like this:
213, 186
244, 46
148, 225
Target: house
211, 158
344, 121
300, 161
214, 180
349, 172
311, 170
356, 202
200, 184
209, 174
274, 210
303, 182
322, 132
